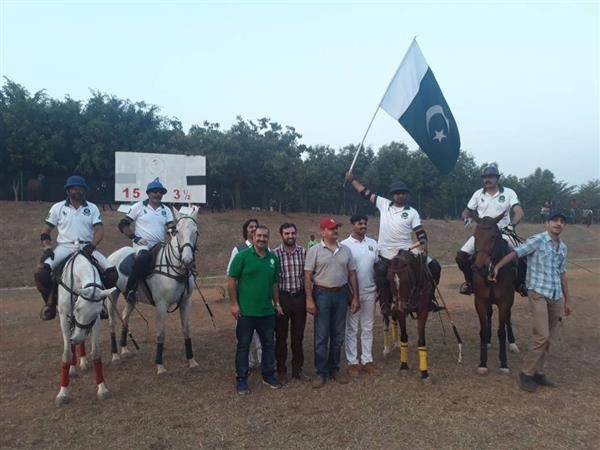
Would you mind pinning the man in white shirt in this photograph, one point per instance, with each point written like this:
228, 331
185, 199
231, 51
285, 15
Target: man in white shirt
79, 226
397, 222
492, 200
364, 252
146, 225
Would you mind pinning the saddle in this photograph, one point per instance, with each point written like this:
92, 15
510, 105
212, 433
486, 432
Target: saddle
58, 270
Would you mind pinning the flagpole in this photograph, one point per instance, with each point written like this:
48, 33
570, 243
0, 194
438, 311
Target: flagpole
378, 106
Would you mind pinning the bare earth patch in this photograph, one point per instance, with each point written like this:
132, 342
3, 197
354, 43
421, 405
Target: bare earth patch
183, 409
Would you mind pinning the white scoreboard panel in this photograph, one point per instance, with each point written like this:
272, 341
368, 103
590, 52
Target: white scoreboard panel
183, 176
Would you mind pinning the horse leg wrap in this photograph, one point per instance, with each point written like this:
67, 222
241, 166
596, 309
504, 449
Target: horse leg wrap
404, 354
124, 332
159, 353
99, 371
73, 355
113, 343
64, 374
82, 349
189, 354
395, 336
386, 338
423, 359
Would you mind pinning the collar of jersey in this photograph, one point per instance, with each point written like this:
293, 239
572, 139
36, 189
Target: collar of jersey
147, 202
68, 203
500, 189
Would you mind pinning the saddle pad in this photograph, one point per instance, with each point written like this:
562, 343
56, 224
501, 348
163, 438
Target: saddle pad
126, 265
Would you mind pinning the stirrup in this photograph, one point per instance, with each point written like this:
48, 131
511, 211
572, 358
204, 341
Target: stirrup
465, 289
131, 297
435, 307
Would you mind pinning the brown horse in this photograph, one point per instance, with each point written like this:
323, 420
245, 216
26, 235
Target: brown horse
489, 249
412, 288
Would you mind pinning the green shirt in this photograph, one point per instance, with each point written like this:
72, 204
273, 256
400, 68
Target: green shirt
311, 244
255, 277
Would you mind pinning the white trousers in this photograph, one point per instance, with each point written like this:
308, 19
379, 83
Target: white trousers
469, 246
363, 318
63, 251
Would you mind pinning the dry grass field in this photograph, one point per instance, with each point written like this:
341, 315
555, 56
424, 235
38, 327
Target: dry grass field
459, 409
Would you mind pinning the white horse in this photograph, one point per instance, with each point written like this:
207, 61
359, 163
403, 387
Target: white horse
170, 286
80, 297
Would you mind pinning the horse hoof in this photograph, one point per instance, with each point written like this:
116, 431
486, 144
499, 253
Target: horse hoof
386, 352
489, 345
62, 400
397, 344
125, 352
160, 369
426, 380
115, 358
504, 370
194, 366
482, 370
73, 372
103, 393
514, 348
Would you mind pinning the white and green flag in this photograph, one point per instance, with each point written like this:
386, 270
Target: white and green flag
415, 99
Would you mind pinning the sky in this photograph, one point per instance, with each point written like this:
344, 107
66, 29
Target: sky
521, 78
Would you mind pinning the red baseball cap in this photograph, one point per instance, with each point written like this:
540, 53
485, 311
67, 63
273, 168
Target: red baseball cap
329, 224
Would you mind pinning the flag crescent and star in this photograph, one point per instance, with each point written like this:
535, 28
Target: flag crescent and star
415, 99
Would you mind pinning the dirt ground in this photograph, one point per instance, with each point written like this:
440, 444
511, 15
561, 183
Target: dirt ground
459, 409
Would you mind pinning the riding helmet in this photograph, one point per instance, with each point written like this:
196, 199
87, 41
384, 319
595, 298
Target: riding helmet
490, 170
156, 185
76, 180
398, 186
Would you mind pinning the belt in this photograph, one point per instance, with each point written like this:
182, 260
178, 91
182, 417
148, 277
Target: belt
300, 292
330, 289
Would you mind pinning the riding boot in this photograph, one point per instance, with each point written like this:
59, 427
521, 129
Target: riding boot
435, 269
45, 285
130, 290
463, 260
109, 277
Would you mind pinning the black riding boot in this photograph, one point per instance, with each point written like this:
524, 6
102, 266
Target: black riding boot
435, 269
463, 260
520, 285
45, 284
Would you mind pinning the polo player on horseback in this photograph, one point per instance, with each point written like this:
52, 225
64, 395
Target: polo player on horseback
397, 222
151, 219
491, 200
79, 225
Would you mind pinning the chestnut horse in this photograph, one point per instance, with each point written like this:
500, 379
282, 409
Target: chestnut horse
489, 249
411, 287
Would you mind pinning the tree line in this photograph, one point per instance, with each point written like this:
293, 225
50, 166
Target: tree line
254, 163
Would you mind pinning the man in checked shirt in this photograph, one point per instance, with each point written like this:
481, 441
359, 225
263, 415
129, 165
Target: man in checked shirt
293, 302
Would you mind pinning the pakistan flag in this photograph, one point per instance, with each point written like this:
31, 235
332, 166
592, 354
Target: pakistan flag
414, 99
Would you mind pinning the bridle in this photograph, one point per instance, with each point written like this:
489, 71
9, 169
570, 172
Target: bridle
488, 267
75, 294
171, 260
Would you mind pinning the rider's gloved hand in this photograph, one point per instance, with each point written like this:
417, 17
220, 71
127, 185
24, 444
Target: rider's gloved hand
88, 249
510, 228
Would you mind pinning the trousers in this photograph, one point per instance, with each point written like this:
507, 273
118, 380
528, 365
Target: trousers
363, 319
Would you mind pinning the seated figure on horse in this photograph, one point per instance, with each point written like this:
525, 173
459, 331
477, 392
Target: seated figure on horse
79, 226
492, 200
146, 225
397, 222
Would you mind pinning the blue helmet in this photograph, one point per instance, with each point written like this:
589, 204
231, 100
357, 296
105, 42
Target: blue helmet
76, 180
156, 185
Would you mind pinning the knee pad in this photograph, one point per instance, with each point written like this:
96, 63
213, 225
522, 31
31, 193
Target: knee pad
436, 270
109, 277
43, 279
463, 260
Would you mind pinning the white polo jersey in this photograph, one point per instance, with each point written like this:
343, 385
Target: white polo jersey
74, 224
150, 223
488, 205
365, 254
396, 225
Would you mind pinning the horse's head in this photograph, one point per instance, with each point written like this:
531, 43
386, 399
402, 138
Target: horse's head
486, 234
401, 271
86, 310
187, 234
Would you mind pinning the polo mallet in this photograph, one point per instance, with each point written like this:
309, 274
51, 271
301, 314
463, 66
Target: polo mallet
210, 313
